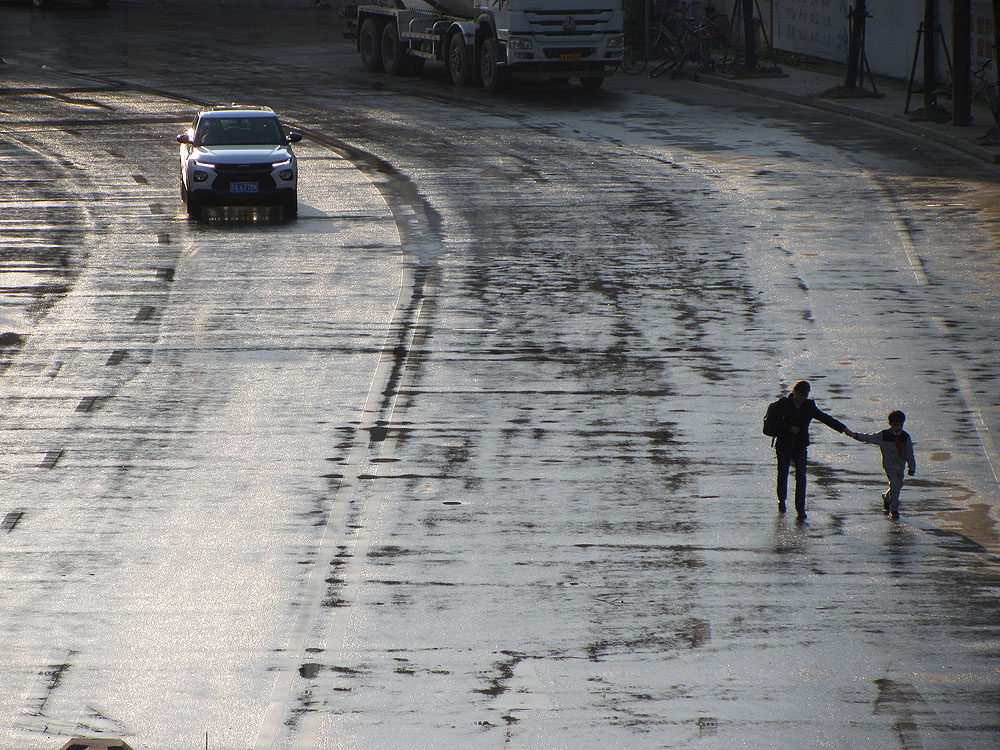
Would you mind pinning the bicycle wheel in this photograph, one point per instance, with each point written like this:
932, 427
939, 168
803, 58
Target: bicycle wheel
700, 51
671, 62
660, 43
719, 25
633, 61
987, 94
666, 49
679, 66
661, 67
706, 63
939, 106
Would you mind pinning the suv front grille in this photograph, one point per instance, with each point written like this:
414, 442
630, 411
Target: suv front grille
260, 173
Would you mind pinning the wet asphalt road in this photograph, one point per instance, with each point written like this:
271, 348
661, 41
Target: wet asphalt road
468, 455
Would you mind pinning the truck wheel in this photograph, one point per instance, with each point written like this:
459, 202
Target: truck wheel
460, 61
370, 45
494, 76
592, 84
393, 53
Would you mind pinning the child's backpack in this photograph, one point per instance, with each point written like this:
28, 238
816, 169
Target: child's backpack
774, 419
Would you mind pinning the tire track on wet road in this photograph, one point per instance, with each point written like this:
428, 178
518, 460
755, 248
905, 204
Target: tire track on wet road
419, 228
379, 411
331, 640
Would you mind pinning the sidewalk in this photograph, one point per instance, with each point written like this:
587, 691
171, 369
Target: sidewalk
804, 86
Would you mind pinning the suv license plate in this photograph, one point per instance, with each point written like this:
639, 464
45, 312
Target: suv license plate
244, 187
569, 57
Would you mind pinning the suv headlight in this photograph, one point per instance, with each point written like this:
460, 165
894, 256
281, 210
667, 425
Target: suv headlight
200, 176
286, 174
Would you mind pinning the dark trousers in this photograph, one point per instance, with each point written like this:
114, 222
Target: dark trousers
785, 459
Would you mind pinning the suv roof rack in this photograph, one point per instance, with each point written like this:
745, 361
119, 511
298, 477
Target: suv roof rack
245, 107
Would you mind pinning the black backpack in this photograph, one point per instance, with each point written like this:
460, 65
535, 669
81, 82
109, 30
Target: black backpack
774, 419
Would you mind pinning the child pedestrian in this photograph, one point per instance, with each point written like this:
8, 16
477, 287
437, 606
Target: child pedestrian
897, 453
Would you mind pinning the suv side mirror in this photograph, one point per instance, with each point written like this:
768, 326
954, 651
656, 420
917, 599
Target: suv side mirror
294, 137
184, 138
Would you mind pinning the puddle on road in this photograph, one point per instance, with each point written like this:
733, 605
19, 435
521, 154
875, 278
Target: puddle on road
975, 524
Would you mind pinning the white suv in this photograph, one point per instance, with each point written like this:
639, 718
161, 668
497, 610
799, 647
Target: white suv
238, 155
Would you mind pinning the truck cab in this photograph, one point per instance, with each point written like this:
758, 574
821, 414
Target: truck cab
490, 41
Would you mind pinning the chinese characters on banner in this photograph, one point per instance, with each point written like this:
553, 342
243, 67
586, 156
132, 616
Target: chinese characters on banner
982, 41
817, 28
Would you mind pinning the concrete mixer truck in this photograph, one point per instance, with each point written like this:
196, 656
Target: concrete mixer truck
489, 42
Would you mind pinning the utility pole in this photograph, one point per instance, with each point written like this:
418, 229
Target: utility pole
993, 136
961, 45
750, 37
930, 51
996, 32
855, 51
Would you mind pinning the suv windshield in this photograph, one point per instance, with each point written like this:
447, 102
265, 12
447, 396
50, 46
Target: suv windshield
238, 131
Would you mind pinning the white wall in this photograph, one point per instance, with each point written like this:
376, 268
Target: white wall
819, 28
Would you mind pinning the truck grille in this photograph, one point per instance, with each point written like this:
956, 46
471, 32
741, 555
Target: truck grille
562, 23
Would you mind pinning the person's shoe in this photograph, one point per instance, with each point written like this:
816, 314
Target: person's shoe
894, 516
781, 507
801, 516
885, 511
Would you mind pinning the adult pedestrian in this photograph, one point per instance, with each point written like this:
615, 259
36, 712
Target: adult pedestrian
792, 440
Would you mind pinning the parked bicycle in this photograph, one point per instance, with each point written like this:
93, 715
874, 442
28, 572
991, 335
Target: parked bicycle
675, 39
634, 58
693, 45
987, 92
661, 40
940, 106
